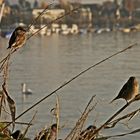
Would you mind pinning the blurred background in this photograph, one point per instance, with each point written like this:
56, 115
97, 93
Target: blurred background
92, 16
66, 47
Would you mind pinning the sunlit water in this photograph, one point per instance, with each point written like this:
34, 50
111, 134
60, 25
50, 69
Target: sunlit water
45, 63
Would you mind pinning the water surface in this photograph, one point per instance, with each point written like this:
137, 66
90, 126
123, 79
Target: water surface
45, 63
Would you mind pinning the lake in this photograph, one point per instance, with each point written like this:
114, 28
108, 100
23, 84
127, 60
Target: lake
45, 63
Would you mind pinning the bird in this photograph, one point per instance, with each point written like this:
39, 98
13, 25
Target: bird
16, 134
129, 90
18, 38
25, 90
48, 134
86, 134
53, 132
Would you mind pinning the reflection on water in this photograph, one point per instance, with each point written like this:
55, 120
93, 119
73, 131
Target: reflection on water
46, 63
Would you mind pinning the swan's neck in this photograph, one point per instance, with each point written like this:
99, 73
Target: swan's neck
24, 87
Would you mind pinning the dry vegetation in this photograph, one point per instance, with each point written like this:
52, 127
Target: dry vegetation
8, 106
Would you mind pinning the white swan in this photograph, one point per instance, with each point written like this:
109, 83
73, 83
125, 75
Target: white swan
25, 90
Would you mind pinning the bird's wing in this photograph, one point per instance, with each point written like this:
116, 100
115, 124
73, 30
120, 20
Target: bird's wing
123, 90
12, 39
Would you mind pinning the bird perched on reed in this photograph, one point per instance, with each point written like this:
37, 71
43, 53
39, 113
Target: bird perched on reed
16, 135
48, 134
18, 38
87, 133
129, 90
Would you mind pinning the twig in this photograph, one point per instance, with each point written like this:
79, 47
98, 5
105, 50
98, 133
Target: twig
129, 115
6, 58
57, 114
75, 132
40, 14
11, 104
11, 52
6, 111
22, 123
2, 100
113, 116
69, 81
120, 135
26, 130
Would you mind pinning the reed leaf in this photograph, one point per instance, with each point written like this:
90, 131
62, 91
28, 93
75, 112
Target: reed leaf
11, 104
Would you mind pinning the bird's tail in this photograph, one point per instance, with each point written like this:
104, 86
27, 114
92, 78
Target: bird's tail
113, 100
9, 47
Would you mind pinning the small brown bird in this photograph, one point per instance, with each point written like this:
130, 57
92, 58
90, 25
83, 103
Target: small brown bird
87, 133
129, 90
18, 38
49, 134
